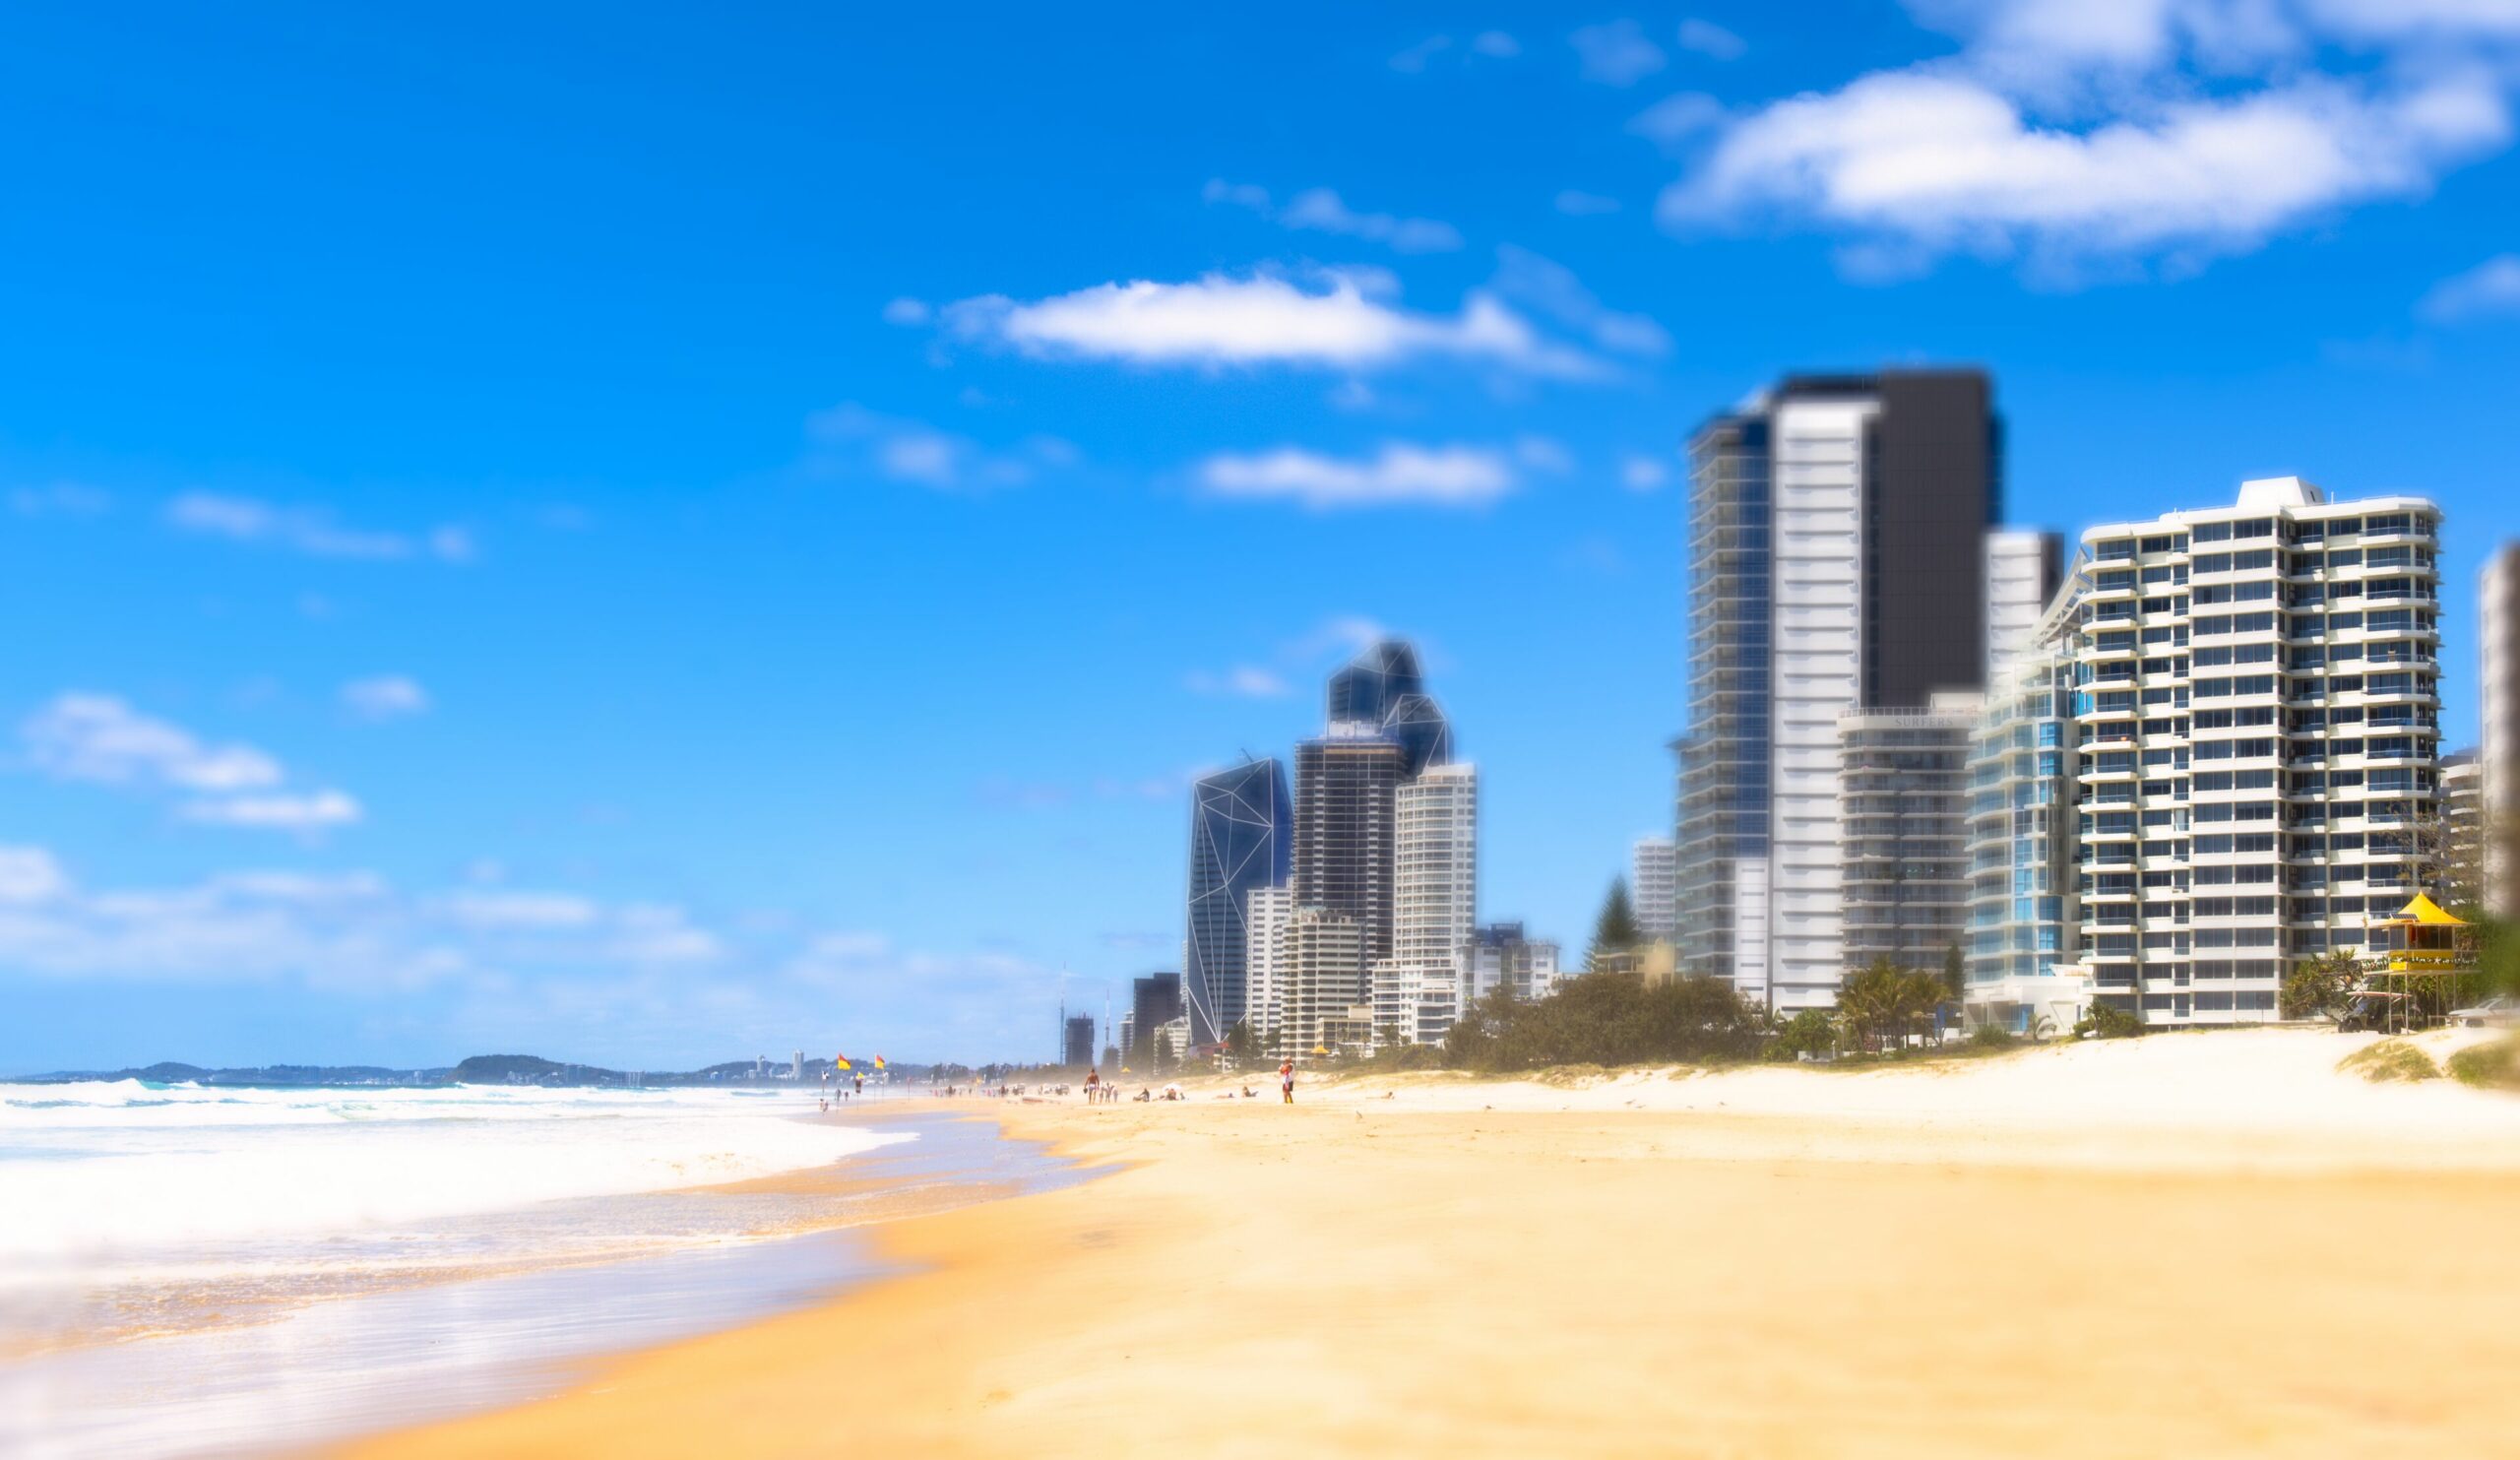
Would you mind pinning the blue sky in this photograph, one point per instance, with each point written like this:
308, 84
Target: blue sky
651, 541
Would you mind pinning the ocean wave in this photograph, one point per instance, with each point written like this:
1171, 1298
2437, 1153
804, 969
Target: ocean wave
95, 1171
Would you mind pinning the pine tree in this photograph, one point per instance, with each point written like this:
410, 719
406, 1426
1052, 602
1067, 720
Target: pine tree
1615, 930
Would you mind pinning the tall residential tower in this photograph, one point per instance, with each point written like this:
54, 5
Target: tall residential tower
1839, 564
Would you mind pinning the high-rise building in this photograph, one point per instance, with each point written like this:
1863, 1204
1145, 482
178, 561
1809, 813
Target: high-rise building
1417, 991
2258, 718
1652, 892
1904, 787
2498, 715
1268, 961
1840, 558
1153, 1002
1076, 1041
2024, 570
1327, 1008
1499, 956
1347, 782
1241, 837
2458, 881
2022, 925
1386, 735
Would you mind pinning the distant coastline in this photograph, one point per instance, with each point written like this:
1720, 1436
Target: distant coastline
477, 1069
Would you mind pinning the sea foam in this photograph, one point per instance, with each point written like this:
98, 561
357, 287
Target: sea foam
126, 1169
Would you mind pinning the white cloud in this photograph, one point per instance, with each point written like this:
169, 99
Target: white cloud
308, 530
100, 739
1342, 320
1642, 474
2489, 290
2066, 132
1575, 203
1709, 40
653, 936
1413, 59
298, 811
30, 874
346, 931
1492, 45
907, 311
848, 438
1321, 210
1242, 681
508, 911
2471, 19
1551, 290
1942, 161
1400, 474
1678, 119
1616, 54
59, 499
385, 697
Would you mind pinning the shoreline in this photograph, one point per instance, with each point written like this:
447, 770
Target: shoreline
327, 1369
1362, 1276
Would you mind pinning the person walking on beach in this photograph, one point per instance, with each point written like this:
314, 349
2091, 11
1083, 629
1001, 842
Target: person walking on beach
1093, 1086
1287, 1081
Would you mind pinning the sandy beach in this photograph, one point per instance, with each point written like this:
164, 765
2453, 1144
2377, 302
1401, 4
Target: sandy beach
2204, 1244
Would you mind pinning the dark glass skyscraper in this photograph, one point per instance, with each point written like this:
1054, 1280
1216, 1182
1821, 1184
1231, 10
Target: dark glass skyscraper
1839, 541
1366, 688
1384, 728
1241, 837
1153, 1002
1346, 826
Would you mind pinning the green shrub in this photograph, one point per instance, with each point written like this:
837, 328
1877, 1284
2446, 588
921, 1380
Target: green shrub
1606, 1019
1812, 1031
2108, 1022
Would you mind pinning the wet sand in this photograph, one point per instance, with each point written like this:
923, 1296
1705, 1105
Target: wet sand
1419, 1274
302, 1365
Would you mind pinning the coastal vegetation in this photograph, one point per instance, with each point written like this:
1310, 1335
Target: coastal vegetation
1603, 1019
2390, 1062
2493, 1065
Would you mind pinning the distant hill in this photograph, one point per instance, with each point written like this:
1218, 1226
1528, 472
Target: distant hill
530, 1070
172, 1073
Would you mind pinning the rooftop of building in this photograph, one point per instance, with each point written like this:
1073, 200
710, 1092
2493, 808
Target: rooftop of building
2270, 496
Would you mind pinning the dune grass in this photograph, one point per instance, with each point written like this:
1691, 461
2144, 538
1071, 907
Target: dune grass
2390, 1060
2492, 1065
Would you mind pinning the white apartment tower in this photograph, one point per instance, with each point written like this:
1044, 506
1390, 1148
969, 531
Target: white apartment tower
1654, 892
1417, 991
1268, 960
1326, 1007
2499, 714
2256, 724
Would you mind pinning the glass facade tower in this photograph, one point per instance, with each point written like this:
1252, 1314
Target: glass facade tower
1242, 838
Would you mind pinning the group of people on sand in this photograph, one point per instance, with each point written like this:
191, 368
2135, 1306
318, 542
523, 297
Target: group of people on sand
1099, 1091
855, 1087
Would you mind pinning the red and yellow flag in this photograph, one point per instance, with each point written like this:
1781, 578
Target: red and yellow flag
839, 1062
879, 1061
